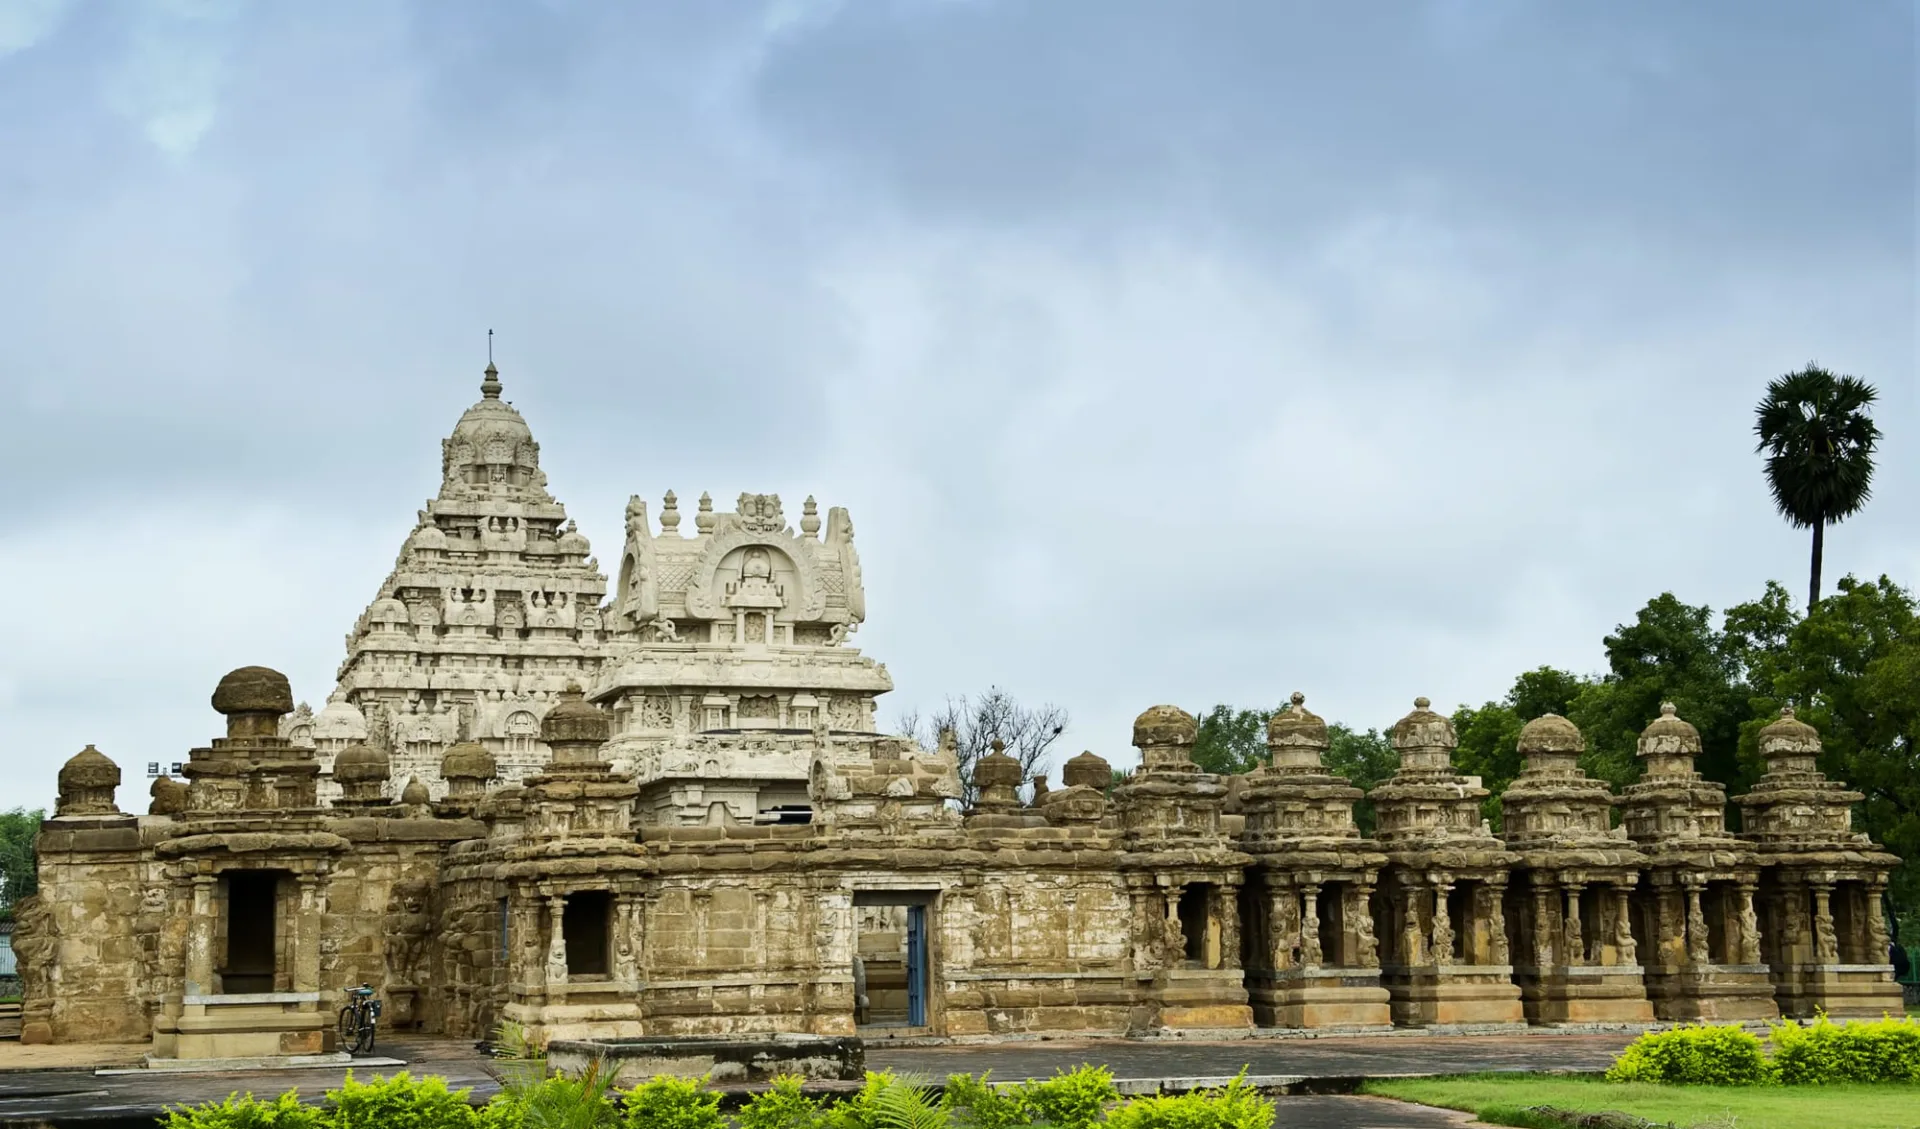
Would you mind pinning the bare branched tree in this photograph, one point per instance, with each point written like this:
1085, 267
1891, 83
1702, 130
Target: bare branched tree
977, 722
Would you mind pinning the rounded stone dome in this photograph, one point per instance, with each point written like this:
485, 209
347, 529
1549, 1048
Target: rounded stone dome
88, 768
468, 760
1551, 733
388, 609
341, 720
359, 763
490, 432
575, 720
1423, 729
415, 793
1164, 725
573, 542
1297, 725
1789, 733
1670, 733
253, 689
427, 537
997, 768
1087, 770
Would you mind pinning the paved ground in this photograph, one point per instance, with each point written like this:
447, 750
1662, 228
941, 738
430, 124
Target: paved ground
1359, 1056
42, 1089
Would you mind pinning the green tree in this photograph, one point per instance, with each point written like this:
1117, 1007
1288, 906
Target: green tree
19, 867
1365, 759
1851, 669
1231, 741
1818, 440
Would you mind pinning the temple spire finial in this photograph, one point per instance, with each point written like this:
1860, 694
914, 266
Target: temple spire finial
490, 387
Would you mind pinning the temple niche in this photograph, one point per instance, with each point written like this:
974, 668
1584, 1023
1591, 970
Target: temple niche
667, 811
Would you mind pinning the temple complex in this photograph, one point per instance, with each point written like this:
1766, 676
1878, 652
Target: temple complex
667, 811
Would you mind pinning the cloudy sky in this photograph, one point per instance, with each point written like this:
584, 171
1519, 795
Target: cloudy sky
1181, 352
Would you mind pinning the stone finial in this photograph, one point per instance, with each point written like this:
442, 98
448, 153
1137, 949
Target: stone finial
1296, 737
1424, 739
1789, 744
361, 772
703, 520
253, 698
575, 728
1551, 744
87, 782
468, 762
169, 796
1165, 735
670, 514
490, 386
415, 794
997, 776
810, 517
1669, 744
1087, 771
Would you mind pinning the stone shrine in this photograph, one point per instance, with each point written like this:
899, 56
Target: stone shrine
668, 813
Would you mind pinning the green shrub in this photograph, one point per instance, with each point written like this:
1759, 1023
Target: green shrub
672, 1103
1236, 1106
1071, 1099
977, 1103
399, 1102
244, 1111
1694, 1056
887, 1102
1823, 1052
780, 1106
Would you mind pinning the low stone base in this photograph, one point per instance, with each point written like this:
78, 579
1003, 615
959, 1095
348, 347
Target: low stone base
1193, 999
630, 1061
1584, 994
263, 1025
1349, 998
1718, 993
1476, 995
1851, 991
269, 1062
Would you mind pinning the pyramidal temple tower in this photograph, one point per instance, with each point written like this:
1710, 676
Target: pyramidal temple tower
492, 609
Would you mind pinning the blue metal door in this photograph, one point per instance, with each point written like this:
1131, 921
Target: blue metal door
917, 966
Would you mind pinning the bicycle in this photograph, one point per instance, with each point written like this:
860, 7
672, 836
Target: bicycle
358, 1019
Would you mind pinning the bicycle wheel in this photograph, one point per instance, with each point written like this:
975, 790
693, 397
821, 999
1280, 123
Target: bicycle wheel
369, 1030
349, 1027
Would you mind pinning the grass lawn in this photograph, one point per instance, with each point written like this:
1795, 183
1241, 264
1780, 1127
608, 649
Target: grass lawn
1500, 1098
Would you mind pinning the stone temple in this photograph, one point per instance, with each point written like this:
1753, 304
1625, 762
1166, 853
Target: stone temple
666, 811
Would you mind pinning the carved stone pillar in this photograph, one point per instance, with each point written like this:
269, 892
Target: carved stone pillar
626, 938
1413, 938
1496, 918
1283, 926
1576, 930
1360, 913
1175, 944
524, 966
1825, 948
1696, 926
556, 940
1623, 945
1878, 951
1310, 954
200, 925
308, 921
1442, 925
1747, 948
1543, 928
1229, 902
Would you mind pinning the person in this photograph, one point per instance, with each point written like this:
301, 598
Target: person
1902, 965
859, 990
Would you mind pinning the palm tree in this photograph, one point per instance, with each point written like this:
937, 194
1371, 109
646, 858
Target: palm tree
1819, 440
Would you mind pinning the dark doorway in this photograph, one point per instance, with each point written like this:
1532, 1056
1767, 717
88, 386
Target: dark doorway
252, 912
585, 921
1193, 921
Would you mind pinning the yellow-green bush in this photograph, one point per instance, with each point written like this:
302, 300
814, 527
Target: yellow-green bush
1824, 1052
1694, 1056
1236, 1106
